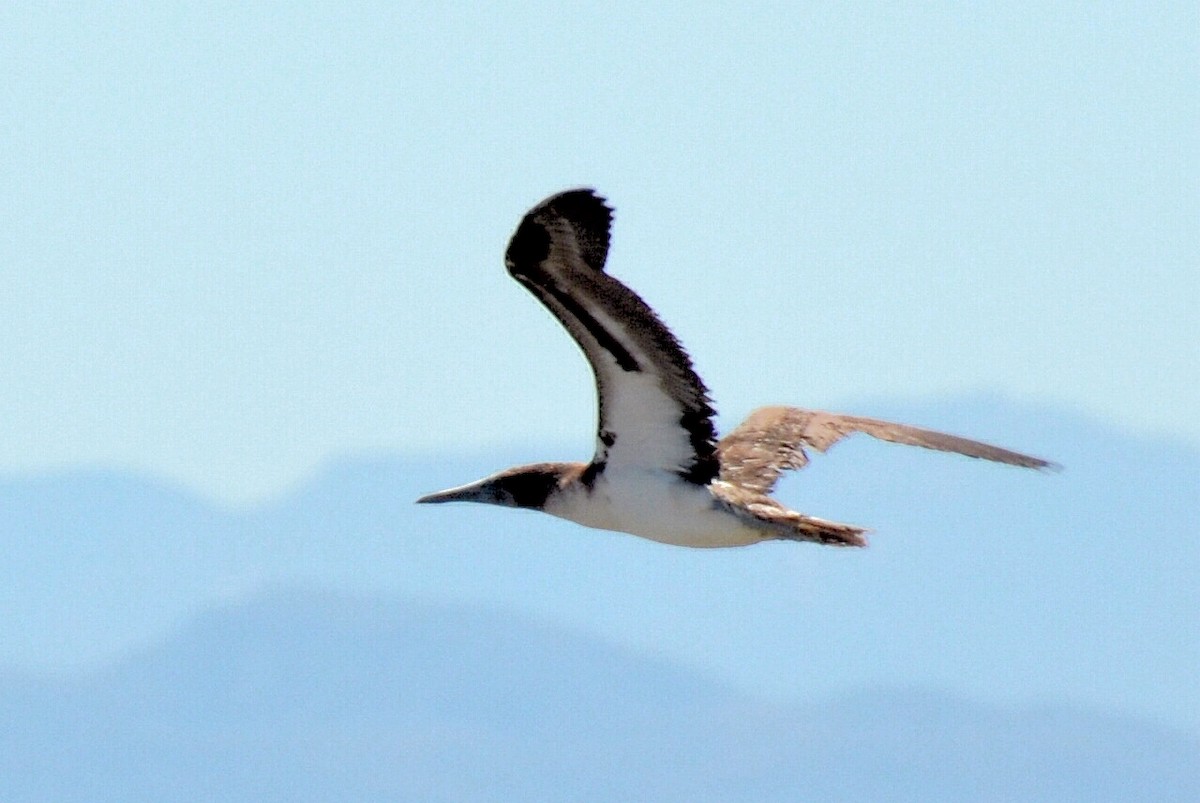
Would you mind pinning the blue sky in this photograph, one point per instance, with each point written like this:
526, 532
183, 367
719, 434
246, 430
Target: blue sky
236, 240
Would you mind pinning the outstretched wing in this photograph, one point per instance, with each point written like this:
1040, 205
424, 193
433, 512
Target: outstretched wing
773, 439
654, 411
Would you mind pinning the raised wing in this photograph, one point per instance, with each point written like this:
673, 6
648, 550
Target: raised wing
773, 439
654, 411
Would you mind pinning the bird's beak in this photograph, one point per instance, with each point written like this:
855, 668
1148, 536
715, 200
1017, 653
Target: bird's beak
480, 491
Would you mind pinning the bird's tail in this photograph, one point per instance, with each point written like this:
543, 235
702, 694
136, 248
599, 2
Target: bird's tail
831, 533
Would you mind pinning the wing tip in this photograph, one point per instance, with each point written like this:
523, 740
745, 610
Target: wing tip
585, 208
585, 212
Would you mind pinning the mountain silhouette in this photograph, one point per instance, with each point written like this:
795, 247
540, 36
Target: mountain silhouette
1073, 588
308, 696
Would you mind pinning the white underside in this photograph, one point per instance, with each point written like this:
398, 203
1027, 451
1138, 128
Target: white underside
657, 505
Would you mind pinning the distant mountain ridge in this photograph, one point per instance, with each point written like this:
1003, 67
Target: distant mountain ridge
304, 696
987, 581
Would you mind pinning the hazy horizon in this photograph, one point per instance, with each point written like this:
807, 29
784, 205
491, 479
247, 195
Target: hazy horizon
982, 579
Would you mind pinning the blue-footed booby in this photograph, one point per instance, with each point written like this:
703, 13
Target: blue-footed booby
659, 471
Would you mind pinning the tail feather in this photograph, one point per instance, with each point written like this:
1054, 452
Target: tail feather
831, 533
767, 514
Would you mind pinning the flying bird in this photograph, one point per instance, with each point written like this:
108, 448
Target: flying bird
659, 471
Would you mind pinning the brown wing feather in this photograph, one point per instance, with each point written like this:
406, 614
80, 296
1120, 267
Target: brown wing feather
773, 439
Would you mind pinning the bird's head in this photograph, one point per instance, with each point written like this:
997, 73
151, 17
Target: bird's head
520, 486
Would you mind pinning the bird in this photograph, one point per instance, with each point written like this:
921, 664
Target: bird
659, 471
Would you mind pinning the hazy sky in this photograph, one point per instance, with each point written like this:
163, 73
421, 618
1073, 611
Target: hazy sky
238, 238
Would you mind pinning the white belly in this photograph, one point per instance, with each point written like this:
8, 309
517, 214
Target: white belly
655, 505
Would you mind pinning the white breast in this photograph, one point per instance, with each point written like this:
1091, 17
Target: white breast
653, 504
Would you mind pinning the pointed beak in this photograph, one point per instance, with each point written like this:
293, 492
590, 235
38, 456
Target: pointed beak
479, 491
